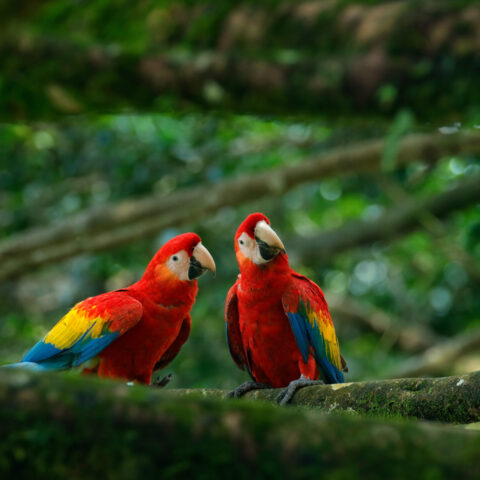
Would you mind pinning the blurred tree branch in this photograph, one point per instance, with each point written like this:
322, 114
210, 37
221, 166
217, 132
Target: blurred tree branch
113, 225
396, 221
243, 57
440, 358
83, 428
42, 198
432, 224
412, 338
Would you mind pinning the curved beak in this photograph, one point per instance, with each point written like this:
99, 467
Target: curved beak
268, 241
200, 261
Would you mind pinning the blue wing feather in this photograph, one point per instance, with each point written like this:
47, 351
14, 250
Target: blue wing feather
331, 373
48, 357
301, 335
87, 350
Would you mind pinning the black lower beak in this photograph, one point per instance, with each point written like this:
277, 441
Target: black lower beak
195, 269
266, 251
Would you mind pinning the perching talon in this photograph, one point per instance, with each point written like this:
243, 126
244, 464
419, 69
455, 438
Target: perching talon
286, 395
161, 382
246, 387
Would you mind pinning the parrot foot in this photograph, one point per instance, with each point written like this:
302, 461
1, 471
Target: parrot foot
161, 382
286, 395
246, 387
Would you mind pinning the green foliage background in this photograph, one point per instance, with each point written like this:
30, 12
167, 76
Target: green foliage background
53, 170
53, 165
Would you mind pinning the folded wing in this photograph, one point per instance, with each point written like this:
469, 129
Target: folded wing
313, 328
176, 345
88, 328
232, 330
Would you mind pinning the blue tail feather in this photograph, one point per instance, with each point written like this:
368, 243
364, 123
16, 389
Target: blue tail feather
41, 351
24, 365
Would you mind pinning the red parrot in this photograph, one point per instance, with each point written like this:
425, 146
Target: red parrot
129, 333
278, 325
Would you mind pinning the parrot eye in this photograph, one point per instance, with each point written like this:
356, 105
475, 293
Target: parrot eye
174, 258
240, 242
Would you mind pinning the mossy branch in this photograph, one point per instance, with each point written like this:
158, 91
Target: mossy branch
56, 427
453, 399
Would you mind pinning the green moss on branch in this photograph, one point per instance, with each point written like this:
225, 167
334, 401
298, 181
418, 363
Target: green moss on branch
60, 427
448, 399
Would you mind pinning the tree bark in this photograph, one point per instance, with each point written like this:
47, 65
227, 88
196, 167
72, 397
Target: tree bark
117, 224
70, 427
263, 58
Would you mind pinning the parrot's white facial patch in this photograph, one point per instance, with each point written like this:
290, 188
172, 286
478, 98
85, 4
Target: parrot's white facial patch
178, 264
248, 246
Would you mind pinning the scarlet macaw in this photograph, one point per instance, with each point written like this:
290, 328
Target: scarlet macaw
278, 325
129, 333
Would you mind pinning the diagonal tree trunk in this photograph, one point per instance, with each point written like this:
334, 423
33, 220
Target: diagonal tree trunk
117, 224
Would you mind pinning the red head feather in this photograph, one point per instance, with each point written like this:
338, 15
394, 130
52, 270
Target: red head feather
248, 225
248, 268
185, 241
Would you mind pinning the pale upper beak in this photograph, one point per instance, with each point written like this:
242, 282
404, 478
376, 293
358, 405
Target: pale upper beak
268, 241
200, 261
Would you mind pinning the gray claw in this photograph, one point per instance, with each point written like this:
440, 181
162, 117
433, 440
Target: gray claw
244, 388
161, 382
286, 395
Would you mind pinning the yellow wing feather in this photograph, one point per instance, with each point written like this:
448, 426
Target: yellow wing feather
75, 324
